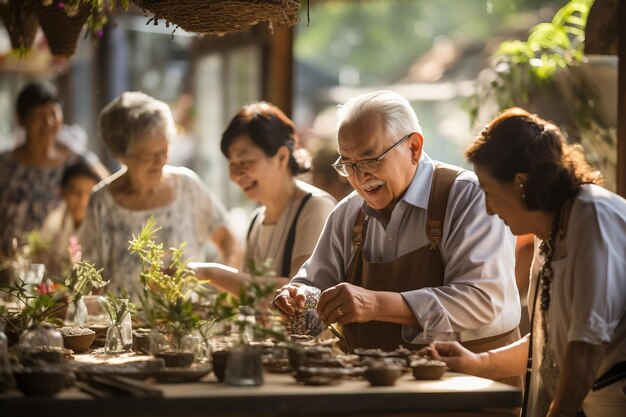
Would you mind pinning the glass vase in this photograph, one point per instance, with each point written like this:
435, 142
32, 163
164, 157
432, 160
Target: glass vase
6, 377
244, 367
119, 336
176, 351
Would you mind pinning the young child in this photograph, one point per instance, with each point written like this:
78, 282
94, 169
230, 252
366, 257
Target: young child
64, 221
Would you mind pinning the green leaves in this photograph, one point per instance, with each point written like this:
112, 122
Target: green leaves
522, 66
83, 278
167, 285
118, 307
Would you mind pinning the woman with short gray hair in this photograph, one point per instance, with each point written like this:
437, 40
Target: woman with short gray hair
137, 129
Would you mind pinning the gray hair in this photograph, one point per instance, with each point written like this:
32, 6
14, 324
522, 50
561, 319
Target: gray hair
400, 118
133, 113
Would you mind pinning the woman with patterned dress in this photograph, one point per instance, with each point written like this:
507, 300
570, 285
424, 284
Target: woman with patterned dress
137, 129
30, 174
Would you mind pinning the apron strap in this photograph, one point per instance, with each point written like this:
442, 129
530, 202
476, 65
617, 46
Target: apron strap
291, 238
443, 178
358, 230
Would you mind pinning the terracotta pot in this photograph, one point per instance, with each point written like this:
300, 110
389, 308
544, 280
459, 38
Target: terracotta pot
79, 343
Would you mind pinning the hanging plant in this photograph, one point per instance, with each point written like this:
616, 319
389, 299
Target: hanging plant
221, 16
62, 21
20, 22
551, 67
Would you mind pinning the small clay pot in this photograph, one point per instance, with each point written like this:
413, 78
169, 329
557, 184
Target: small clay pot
79, 339
428, 369
141, 341
382, 376
220, 357
176, 359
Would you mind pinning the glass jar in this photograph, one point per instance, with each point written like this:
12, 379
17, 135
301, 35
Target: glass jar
119, 336
175, 349
41, 336
6, 377
244, 367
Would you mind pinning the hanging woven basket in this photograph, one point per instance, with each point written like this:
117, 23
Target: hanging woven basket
61, 29
222, 16
21, 22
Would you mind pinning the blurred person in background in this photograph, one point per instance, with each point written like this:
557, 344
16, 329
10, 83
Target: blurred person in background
63, 222
30, 174
261, 145
539, 184
137, 129
324, 175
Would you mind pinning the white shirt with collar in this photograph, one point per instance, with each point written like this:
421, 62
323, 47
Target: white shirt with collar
479, 297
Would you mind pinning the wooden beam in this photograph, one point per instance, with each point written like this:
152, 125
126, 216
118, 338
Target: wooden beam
620, 170
279, 76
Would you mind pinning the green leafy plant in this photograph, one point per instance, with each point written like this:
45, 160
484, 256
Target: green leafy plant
250, 311
82, 279
550, 68
167, 286
522, 66
117, 308
38, 304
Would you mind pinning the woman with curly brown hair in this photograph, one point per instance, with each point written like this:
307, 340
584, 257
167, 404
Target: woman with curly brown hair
539, 184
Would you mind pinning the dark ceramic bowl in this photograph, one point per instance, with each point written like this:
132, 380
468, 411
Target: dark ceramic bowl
382, 376
428, 369
176, 359
41, 382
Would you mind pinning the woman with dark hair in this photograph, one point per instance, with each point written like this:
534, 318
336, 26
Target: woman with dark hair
539, 184
261, 146
30, 174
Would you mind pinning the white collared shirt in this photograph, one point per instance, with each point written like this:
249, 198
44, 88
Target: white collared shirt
479, 297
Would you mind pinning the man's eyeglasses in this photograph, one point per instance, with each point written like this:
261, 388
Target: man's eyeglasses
366, 166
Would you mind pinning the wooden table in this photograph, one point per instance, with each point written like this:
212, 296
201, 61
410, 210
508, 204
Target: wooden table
454, 395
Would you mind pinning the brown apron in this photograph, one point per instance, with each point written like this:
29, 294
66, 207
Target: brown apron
423, 267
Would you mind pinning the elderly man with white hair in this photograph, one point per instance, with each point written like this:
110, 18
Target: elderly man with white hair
411, 256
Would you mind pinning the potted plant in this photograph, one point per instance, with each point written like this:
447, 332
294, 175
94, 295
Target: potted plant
252, 317
166, 300
551, 66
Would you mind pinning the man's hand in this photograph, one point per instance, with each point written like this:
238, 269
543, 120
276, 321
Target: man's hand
289, 299
346, 303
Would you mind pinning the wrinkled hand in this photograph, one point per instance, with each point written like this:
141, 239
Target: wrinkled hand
456, 357
289, 299
346, 303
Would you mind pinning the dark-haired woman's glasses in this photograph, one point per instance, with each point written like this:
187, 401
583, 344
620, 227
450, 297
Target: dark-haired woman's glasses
366, 166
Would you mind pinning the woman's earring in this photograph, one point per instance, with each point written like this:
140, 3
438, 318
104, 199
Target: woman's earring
521, 188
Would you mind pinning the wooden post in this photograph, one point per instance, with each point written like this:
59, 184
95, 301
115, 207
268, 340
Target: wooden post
620, 170
279, 88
